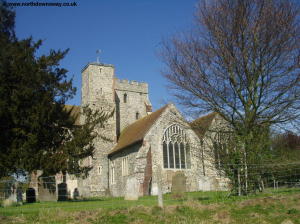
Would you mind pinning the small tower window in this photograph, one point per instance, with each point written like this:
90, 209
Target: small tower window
137, 115
125, 98
99, 170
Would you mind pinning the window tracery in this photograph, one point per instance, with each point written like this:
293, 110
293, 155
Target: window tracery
176, 149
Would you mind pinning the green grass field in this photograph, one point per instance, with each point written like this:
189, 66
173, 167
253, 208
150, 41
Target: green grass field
281, 206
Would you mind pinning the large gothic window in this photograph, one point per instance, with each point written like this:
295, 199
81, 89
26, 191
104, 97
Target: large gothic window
176, 149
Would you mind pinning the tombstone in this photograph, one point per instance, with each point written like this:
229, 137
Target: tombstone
62, 192
215, 184
10, 192
7, 202
178, 183
30, 195
160, 198
13, 197
132, 189
19, 195
204, 184
75, 194
47, 189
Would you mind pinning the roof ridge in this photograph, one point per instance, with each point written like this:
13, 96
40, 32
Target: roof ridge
204, 116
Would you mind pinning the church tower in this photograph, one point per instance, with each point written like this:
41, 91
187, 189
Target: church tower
132, 103
97, 84
98, 92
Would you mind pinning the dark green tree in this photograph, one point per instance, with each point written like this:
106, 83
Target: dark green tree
36, 131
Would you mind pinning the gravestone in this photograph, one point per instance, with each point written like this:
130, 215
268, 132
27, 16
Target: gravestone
160, 198
75, 194
30, 195
47, 189
132, 189
7, 202
215, 184
13, 197
62, 192
19, 195
205, 183
178, 183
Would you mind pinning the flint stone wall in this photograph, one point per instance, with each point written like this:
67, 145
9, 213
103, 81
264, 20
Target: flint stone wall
98, 91
118, 188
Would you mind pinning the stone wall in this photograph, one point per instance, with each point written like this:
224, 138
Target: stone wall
118, 187
98, 92
97, 83
132, 86
134, 106
101, 90
195, 174
152, 148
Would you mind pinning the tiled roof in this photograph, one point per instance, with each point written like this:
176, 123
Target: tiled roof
74, 112
202, 124
137, 131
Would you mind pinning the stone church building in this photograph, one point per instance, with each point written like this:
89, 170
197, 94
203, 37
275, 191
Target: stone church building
148, 148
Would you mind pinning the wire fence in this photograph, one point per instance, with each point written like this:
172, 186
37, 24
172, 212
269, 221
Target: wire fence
273, 177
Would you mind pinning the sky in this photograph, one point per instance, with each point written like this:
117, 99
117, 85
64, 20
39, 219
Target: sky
128, 32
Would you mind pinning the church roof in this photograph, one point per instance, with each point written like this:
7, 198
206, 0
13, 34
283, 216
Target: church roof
74, 112
137, 131
202, 124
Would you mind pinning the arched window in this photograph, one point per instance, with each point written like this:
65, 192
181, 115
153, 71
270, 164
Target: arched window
176, 149
125, 98
137, 115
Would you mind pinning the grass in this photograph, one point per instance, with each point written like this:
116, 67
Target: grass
281, 206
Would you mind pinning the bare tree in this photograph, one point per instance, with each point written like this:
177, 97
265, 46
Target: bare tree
241, 60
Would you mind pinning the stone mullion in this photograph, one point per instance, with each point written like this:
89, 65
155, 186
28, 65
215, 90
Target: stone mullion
184, 146
174, 155
168, 154
179, 151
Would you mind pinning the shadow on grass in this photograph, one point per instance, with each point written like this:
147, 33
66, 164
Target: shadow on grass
96, 199
203, 198
287, 190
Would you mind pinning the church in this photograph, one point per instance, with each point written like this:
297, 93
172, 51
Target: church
147, 148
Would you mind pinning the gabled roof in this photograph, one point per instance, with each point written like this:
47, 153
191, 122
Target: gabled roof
202, 124
136, 132
74, 112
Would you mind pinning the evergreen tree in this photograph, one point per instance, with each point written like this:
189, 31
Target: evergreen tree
36, 131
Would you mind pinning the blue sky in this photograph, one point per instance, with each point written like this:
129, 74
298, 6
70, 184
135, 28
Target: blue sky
128, 32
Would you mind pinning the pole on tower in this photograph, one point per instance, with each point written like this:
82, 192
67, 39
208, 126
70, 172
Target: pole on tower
98, 52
